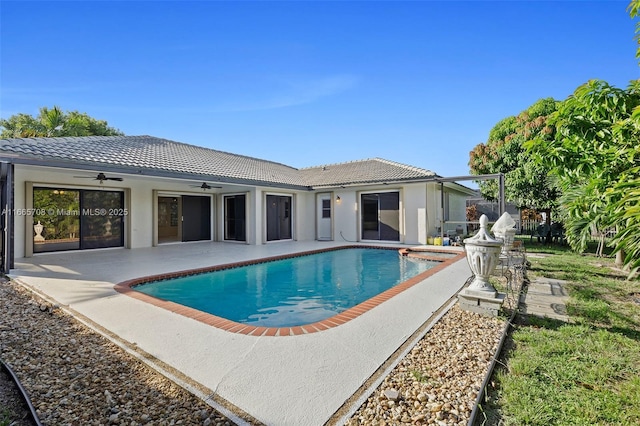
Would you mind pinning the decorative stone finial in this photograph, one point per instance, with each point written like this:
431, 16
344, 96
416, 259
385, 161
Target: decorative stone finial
483, 238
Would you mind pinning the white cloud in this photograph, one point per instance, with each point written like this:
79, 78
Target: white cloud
292, 92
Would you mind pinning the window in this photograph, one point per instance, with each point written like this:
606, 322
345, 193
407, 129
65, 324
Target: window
326, 209
77, 219
446, 206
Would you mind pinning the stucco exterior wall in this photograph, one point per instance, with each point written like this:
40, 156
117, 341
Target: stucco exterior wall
433, 209
345, 227
305, 216
419, 206
414, 209
139, 200
414, 214
140, 203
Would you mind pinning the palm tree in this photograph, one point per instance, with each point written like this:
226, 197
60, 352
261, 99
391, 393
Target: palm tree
54, 122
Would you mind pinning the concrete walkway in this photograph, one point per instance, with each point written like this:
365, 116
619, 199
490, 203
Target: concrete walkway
546, 297
293, 380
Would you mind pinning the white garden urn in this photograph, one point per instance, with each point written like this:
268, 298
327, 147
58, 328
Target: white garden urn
507, 235
38, 228
504, 228
483, 255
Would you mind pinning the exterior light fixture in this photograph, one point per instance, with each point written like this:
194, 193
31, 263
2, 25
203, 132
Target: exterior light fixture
338, 199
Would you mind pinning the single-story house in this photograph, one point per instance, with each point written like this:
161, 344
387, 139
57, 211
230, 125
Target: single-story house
77, 193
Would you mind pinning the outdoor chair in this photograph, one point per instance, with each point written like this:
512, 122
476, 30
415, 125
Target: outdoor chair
557, 232
541, 232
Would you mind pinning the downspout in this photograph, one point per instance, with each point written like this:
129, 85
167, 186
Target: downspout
442, 211
6, 221
502, 206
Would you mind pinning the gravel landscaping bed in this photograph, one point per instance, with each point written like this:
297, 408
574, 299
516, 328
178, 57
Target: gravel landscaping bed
74, 376
13, 409
440, 378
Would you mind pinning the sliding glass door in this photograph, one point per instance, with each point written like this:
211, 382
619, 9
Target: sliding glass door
196, 218
184, 218
77, 219
235, 228
102, 221
380, 218
169, 219
278, 217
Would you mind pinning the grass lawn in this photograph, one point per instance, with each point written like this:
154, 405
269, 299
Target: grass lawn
585, 372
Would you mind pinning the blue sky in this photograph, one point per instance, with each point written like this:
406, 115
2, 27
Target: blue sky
310, 83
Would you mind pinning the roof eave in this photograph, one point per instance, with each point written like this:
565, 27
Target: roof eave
377, 182
140, 171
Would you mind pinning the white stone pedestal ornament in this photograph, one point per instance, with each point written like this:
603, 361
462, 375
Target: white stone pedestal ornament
38, 228
508, 236
505, 228
483, 255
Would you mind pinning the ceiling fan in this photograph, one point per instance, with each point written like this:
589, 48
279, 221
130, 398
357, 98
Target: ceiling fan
204, 186
101, 177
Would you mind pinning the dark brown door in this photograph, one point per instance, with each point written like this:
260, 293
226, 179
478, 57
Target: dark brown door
196, 218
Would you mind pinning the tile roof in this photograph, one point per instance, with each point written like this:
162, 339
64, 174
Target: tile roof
161, 157
152, 156
373, 170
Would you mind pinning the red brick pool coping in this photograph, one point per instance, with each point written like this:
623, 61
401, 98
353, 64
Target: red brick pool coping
126, 287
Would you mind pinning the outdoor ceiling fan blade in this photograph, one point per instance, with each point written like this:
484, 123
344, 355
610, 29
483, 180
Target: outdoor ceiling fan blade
101, 177
204, 186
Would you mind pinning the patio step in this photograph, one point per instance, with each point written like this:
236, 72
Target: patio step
546, 297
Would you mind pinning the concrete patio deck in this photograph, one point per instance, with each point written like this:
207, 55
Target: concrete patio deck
292, 380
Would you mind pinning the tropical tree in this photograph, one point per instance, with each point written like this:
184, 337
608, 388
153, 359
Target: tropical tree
527, 183
625, 194
594, 156
634, 12
626, 213
59, 225
54, 122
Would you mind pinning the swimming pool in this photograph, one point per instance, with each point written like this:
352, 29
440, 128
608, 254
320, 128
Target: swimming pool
294, 291
349, 298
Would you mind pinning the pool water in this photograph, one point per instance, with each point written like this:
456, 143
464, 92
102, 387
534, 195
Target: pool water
293, 291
